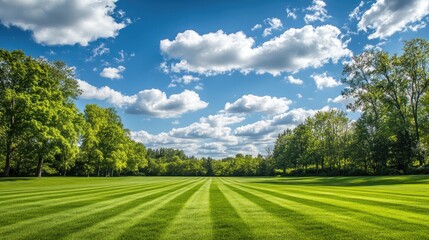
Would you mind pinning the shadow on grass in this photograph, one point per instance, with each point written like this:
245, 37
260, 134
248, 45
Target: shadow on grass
5, 179
347, 181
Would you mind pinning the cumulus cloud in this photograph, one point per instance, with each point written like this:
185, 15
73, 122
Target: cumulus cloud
224, 134
151, 102
70, 22
112, 73
211, 127
105, 94
316, 12
340, 99
325, 81
215, 135
202, 138
274, 24
185, 79
269, 128
293, 80
217, 53
258, 104
388, 17
154, 102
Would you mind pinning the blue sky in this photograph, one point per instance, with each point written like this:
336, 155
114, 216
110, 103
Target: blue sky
213, 78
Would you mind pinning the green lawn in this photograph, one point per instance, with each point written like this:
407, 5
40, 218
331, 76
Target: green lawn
215, 208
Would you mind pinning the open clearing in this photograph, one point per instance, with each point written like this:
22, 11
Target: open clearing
215, 208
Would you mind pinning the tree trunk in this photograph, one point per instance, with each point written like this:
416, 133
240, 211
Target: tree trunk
98, 169
8, 157
416, 126
39, 168
18, 166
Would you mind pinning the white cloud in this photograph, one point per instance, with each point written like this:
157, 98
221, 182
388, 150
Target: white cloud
257, 129
291, 13
269, 128
294, 117
152, 102
202, 138
122, 56
213, 126
257, 26
274, 24
293, 80
389, 17
316, 12
219, 136
417, 26
217, 53
298, 95
342, 100
215, 135
105, 93
186, 79
100, 50
325, 81
355, 14
256, 104
70, 22
112, 73
199, 87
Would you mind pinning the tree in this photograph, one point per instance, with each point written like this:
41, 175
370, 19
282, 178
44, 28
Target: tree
15, 80
281, 153
415, 67
34, 93
390, 91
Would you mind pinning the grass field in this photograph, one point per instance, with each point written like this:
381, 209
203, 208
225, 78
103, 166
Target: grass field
215, 208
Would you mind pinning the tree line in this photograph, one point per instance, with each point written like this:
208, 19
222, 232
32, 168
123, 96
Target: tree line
391, 134
43, 132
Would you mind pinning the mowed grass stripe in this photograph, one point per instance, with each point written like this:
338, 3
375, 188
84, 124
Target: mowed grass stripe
49, 193
262, 223
156, 223
342, 205
193, 221
226, 208
227, 224
62, 195
409, 205
310, 220
355, 197
33, 215
358, 192
33, 209
116, 225
369, 222
367, 185
47, 185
